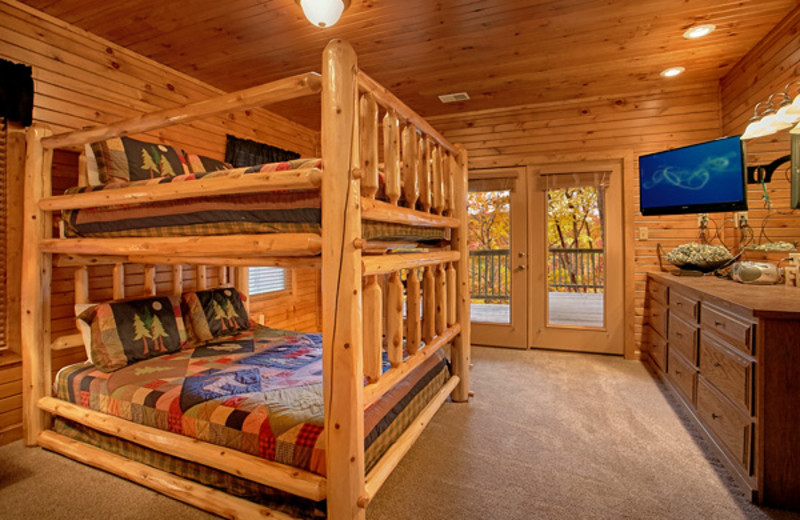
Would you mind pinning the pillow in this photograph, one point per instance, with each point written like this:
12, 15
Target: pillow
201, 163
84, 328
126, 159
123, 332
215, 313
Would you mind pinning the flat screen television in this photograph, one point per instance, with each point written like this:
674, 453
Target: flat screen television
702, 178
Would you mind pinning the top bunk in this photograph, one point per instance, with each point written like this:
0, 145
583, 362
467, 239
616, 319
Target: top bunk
404, 173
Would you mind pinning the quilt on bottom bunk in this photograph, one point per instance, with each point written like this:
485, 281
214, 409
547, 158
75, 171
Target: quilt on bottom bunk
259, 393
288, 211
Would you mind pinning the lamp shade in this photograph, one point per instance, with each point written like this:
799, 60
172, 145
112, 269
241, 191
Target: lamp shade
323, 13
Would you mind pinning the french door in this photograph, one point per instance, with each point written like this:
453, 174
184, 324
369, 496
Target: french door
576, 278
498, 257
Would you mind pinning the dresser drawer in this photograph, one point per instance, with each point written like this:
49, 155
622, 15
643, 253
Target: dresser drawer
657, 317
731, 426
657, 291
684, 306
656, 347
735, 330
728, 370
683, 337
682, 374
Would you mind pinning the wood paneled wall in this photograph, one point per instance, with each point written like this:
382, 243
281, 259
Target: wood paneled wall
83, 80
602, 128
765, 70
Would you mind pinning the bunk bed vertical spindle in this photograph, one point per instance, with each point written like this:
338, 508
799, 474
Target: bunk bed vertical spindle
461, 353
447, 179
373, 329
201, 273
342, 333
242, 284
425, 174
222, 275
436, 181
177, 280
149, 280
394, 320
391, 156
410, 165
414, 334
118, 281
428, 305
36, 277
441, 299
452, 286
369, 146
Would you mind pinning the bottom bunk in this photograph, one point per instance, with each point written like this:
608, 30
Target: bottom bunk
258, 393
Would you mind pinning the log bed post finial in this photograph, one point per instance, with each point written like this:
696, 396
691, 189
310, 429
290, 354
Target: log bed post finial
342, 329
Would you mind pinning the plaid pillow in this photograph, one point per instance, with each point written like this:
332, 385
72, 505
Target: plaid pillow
201, 163
126, 159
215, 313
123, 332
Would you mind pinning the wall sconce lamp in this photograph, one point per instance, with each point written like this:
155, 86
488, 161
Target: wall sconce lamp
323, 13
772, 119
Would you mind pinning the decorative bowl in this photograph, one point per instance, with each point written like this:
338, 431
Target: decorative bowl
699, 257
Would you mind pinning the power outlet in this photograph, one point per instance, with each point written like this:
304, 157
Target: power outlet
643, 233
702, 220
740, 219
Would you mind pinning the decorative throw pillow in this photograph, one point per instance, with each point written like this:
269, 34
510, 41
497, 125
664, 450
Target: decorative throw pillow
84, 328
215, 312
126, 159
201, 163
123, 332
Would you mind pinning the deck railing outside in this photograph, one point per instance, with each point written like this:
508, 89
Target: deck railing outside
571, 270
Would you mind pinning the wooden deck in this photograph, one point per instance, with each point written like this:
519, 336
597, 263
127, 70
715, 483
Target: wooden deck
585, 309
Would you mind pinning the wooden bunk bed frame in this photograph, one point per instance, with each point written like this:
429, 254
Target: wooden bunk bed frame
419, 164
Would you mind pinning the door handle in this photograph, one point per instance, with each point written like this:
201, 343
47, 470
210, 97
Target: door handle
521, 267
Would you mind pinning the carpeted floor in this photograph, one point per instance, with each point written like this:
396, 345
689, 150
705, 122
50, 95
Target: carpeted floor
548, 435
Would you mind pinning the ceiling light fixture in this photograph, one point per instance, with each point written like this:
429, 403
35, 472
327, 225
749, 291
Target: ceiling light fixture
323, 13
672, 72
698, 31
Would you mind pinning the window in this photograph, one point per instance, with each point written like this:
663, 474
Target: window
265, 280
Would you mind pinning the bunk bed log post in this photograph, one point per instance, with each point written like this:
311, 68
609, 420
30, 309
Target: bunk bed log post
242, 284
373, 329
461, 353
36, 278
414, 334
394, 320
83, 170
410, 165
369, 146
81, 284
342, 333
391, 156
177, 280
425, 174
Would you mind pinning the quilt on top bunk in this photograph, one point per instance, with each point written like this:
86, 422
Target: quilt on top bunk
288, 211
259, 393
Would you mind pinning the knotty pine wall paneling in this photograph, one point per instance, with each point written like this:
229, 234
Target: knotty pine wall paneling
766, 69
82, 80
600, 128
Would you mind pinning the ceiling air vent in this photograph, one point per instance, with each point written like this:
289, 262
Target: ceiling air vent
452, 98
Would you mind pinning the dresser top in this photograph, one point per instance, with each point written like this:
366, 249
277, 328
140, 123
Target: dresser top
768, 301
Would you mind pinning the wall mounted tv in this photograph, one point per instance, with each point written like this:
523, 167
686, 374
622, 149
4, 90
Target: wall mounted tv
702, 178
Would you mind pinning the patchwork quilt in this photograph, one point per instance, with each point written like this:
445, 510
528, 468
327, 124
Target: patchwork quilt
259, 392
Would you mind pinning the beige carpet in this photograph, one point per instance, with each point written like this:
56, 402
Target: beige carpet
548, 436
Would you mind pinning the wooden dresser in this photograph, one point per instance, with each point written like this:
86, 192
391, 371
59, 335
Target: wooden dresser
731, 352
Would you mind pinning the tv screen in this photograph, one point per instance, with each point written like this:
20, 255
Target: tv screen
702, 178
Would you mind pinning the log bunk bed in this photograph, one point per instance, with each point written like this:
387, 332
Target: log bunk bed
368, 347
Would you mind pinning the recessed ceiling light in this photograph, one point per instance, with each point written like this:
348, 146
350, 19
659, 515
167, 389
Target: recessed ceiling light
698, 31
672, 72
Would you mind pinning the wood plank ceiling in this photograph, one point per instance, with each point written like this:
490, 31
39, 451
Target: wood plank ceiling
502, 52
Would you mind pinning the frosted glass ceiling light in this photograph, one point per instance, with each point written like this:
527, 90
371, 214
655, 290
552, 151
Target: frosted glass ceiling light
795, 130
757, 127
672, 72
323, 13
698, 31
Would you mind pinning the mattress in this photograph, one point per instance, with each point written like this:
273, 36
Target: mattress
287, 211
259, 393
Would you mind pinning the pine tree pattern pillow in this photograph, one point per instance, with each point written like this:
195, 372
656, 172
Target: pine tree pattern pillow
123, 332
201, 163
215, 313
124, 159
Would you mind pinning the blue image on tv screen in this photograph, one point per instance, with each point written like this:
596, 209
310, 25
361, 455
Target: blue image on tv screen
699, 178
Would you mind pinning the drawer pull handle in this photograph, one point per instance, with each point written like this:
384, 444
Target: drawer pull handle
717, 364
679, 304
677, 372
715, 416
678, 334
718, 323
